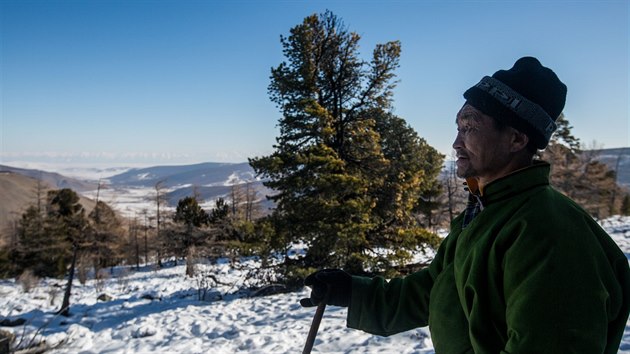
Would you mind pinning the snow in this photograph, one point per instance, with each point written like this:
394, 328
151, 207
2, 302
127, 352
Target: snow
159, 311
129, 201
144, 176
232, 180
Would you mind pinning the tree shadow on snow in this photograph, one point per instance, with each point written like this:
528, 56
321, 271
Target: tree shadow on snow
106, 315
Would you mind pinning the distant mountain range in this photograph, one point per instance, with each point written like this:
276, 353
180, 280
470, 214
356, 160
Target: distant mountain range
203, 174
209, 181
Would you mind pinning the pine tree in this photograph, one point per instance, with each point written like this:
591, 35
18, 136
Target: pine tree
190, 213
336, 157
34, 250
105, 237
410, 187
220, 211
66, 217
564, 136
192, 216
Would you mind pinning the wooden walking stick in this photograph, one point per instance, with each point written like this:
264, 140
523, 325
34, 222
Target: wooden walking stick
312, 333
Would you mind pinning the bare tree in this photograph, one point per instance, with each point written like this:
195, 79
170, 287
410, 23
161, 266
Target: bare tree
40, 191
455, 193
159, 200
145, 213
236, 195
613, 196
252, 206
133, 233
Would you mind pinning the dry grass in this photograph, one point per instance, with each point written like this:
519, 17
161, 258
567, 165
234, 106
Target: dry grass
18, 192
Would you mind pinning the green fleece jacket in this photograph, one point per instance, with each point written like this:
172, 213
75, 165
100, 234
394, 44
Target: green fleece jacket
531, 273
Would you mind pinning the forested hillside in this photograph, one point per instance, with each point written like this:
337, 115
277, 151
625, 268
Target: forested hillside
18, 192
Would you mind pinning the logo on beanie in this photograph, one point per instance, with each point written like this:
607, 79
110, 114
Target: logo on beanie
504, 98
531, 112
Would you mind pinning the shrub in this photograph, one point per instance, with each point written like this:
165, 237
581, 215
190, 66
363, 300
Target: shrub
28, 280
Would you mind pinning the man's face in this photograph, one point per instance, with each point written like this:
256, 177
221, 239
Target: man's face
483, 151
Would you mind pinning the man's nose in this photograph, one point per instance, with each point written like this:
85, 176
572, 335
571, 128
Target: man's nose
458, 144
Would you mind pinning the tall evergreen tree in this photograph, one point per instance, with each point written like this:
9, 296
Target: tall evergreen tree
190, 213
220, 211
411, 186
225, 221
330, 163
67, 220
35, 250
105, 236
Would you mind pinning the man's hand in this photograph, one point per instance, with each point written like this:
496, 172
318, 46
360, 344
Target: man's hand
331, 286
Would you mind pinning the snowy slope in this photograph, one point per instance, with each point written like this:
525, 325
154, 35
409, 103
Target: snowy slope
203, 174
159, 312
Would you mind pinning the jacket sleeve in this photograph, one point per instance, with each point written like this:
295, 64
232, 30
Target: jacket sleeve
560, 289
384, 307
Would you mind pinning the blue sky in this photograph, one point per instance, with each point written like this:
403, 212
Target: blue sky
170, 82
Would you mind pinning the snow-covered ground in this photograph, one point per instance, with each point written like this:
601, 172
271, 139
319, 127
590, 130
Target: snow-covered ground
130, 202
160, 312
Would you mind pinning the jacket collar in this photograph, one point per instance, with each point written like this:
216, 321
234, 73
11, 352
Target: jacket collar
512, 184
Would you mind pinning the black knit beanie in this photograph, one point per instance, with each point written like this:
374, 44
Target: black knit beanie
528, 97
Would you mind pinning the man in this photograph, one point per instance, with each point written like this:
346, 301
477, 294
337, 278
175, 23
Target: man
524, 269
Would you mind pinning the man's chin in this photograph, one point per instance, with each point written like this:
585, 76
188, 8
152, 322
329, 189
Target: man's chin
462, 168
462, 172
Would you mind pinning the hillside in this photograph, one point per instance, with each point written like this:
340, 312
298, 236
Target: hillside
18, 192
53, 179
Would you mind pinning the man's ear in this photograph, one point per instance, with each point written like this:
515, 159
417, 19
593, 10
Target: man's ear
519, 141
